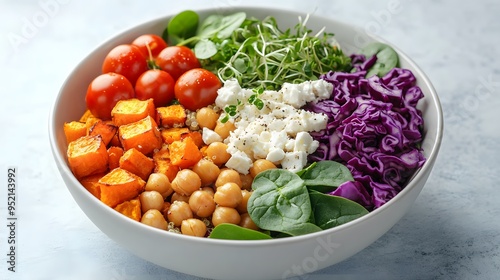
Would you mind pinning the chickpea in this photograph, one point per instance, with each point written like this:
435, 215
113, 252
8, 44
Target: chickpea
207, 117
225, 215
175, 196
217, 153
155, 219
228, 195
202, 203
223, 129
194, 227
207, 171
246, 181
247, 222
209, 190
242, 207
164, 209
261, 165
186, 182
151, 200
178, 212
159, 182
228, 175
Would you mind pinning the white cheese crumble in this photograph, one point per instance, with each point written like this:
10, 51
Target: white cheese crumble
279, 132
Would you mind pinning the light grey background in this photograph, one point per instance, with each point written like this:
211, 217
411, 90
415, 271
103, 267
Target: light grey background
451, 232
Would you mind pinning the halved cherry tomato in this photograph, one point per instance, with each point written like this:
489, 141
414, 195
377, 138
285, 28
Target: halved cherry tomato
156, 84
176, 60
105, 91
126, 60
197, 88
156, 44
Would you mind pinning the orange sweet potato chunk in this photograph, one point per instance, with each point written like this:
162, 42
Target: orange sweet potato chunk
142, 135
137, 163
106, 130
74, 130
86, 115
196, 136
91, 184
130, 208
166, 167
171, 116
132, 110
120, 185
114, 155
184, 153
87, 156
172, 134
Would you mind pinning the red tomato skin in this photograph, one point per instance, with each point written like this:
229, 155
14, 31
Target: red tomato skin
126, 60
176, 60
197, 88
105, 91
156, 84
155, 42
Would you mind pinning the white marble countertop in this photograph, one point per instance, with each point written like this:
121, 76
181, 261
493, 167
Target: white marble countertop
451, 232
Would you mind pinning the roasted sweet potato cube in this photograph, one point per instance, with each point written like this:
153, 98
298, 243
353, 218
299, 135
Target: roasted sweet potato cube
107, 130
114, 154
74, 130
87, 155
91, 184
137, 163
184, 153
171, 116
142, 135
162, 153
132, 110
87, 114
196, 136
130, 208
172, 134
166, 167
120, 185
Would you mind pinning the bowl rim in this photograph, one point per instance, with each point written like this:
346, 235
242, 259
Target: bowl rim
419, 174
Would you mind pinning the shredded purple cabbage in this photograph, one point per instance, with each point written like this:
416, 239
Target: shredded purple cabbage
374, 128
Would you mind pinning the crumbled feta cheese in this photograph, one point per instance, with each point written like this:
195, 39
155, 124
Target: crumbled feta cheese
209, 136
279, 132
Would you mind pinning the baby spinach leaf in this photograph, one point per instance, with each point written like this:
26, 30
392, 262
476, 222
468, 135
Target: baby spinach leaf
220, 26
331, 211
301, 229
235, 232
181, 27
205, 49
325, 176
387, 58
280, 200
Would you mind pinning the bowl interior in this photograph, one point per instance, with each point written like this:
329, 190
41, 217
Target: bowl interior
70, 105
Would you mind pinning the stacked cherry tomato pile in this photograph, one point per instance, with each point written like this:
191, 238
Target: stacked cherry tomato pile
149, 68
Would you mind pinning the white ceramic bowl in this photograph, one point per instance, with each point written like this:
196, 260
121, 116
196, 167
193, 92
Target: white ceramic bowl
223, 259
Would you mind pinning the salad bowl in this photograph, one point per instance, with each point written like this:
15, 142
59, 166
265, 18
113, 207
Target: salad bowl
236, 259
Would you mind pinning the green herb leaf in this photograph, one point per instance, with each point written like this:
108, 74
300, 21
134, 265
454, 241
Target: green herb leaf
325, 176
387, 58
235, 232
331, 211
301, 229
181, 26
279, 201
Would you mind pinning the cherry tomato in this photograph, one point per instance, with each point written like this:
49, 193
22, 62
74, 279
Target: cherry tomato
156, 44
156, 84
126, 60
197, 88
105, 91
176, 60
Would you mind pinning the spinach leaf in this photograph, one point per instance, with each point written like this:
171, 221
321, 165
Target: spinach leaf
301, 229
325, 176
220, 26
235, 232
331, 211
387, 58
205, 49
181, 27
280, 200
